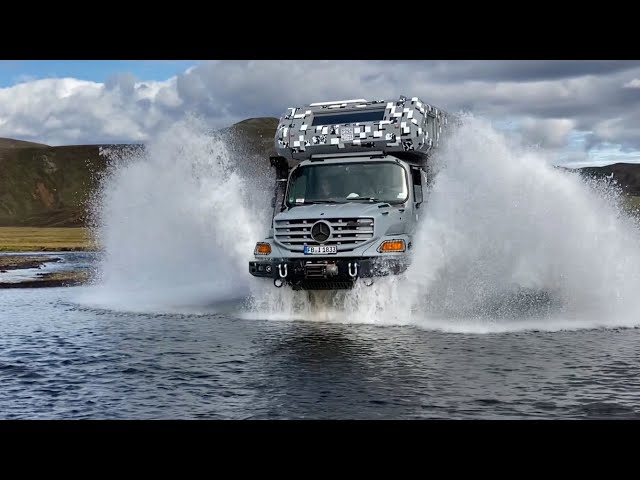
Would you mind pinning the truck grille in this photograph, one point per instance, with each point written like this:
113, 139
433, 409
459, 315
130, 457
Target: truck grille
346, 233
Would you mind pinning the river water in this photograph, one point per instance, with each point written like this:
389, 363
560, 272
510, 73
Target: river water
62, 360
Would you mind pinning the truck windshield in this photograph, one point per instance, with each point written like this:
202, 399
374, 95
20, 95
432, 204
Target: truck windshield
347, 182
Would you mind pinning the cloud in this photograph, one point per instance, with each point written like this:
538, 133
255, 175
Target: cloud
547, 133
69, 111
548, 100
635, 83
522, 70
125, 82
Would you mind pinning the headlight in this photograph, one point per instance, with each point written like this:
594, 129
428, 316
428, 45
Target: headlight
262, 249
396, 245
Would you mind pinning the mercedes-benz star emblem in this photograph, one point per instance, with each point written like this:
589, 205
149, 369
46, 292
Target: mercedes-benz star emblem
320, 231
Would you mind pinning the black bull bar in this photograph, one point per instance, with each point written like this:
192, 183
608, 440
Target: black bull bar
325, 273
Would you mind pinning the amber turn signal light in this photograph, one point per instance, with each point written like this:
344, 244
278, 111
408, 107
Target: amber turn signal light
262, 249
392, 246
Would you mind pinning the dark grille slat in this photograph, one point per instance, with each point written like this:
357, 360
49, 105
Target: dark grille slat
324, 285
363, 231
295, 225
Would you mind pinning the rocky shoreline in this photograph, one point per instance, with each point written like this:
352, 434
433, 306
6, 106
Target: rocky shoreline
50, 279
16, 262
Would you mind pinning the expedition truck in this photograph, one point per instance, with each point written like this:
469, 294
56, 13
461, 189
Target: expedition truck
351, 180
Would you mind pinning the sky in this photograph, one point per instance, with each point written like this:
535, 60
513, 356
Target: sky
579, 112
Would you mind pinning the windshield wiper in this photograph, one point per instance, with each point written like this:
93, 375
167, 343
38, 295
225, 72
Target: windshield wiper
371, 199
312, 202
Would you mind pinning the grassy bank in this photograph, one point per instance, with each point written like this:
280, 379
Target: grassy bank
46, 239
633, 203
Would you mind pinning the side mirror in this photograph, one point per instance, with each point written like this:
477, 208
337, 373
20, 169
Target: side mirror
282, 167
417, 186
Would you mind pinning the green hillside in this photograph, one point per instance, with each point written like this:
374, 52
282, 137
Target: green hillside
47, 186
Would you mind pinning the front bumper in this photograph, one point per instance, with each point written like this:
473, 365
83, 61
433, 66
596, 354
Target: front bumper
326, 273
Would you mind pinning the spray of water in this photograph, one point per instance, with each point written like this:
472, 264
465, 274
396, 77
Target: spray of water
506, 241
509, 242
502, 219
175, 223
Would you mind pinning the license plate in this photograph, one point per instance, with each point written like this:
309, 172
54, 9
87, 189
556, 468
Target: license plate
321, 250
346, 134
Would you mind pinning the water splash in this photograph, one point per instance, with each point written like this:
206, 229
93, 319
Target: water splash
176, 223
501, 217
507, 242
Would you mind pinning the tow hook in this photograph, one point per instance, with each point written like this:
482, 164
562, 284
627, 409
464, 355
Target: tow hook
279, 282
282, 275
353, 273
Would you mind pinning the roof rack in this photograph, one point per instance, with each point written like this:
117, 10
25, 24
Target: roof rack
319, 104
